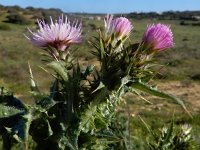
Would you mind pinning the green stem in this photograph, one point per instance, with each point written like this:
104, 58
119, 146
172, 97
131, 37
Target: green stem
70, 100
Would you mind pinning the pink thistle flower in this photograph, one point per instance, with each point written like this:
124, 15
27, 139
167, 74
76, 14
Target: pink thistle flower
59, 34
120, 27
158, 36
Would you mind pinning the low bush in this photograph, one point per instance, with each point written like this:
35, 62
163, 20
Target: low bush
17, 19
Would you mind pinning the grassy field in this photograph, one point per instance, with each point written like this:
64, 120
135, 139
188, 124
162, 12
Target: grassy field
180, 76
181, 61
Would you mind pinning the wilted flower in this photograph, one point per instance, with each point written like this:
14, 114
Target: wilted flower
158, 36
120, 26
186, 128
59, 34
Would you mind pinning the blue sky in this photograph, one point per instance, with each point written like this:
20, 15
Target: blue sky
109, 6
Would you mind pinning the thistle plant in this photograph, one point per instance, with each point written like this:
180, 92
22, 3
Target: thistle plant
158, 37
117, 29
56, 37
79, 111
172, 138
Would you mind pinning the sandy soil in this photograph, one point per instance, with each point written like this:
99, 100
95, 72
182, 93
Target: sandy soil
189, 91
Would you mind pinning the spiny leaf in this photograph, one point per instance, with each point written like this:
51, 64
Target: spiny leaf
129, 68
87, 118
89, 69
20, 130
54, 89
8, 111
50, 132
46, 103
64, 141
101, 85
4, 92
138, 94
94, 45
27, 118
95, 53
169, 132
17, 138
7, 98
118, 44
34, 86
59, 68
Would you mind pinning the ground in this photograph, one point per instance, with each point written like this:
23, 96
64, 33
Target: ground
188, 90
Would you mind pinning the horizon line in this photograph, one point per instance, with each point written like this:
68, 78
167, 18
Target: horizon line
83, 12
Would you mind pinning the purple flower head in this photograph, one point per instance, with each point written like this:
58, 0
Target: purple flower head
158, 36
59, 34
120, 26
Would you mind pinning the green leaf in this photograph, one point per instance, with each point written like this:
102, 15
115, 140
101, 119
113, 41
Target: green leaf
27, 118
7, 99
50, 131
88, 117
20, 129
46, 103
100, 122
169, 133
94, 45
89, 69
129, 68
34, 86
102, 49
64, 141
8, 111
60, 69
145, 88
4, 92
101, 85
118, 44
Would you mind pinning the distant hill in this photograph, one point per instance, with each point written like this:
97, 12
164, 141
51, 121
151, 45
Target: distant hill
167, 15
34, 13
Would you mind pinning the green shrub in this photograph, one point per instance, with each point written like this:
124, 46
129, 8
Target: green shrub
17, 19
